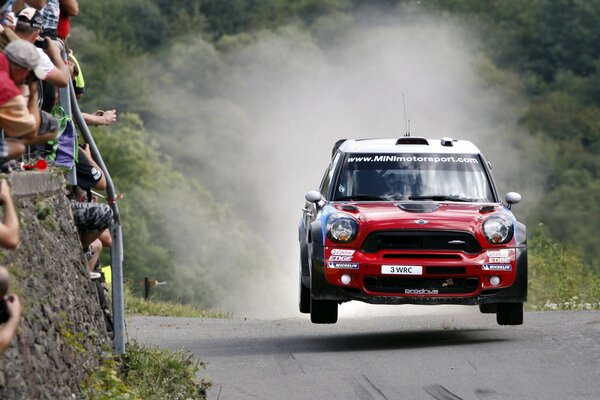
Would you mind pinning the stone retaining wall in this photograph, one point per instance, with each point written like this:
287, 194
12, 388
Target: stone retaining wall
62, 332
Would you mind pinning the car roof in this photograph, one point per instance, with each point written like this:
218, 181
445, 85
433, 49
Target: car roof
409, 145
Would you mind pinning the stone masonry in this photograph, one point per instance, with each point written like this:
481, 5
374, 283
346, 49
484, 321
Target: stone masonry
62, 333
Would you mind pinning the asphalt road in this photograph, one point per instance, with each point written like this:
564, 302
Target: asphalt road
449, 353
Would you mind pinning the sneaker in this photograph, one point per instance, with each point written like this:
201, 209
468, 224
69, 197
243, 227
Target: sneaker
95, 275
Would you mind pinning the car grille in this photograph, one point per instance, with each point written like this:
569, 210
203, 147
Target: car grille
445, 270
442, 285
421, 240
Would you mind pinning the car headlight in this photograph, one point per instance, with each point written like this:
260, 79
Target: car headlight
342, 228
498, 229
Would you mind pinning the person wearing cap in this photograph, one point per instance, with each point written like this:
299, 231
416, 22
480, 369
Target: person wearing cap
52, 67
19, 111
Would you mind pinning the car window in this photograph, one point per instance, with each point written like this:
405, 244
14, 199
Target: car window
458, 177
328, 177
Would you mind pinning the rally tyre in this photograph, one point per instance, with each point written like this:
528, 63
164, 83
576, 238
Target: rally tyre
304, 302
488, 308
323, 311
510, 314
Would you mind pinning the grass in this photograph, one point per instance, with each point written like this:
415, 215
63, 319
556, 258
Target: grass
559, 279
135, 305
147, 373
150, 373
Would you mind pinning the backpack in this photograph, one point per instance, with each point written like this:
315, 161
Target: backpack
63, 149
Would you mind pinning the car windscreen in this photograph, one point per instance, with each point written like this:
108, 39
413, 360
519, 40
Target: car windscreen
442, 177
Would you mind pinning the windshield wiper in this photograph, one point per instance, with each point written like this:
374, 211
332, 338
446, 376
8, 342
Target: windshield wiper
440, 197
360, 197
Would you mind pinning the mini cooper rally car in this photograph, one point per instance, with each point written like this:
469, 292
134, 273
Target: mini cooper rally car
411, 221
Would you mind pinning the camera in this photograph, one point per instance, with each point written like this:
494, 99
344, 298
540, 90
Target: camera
4, 316
42, 44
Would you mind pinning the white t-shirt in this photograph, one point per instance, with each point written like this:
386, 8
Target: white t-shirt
46, 67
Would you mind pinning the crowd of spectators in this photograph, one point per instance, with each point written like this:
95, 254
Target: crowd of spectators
35, 62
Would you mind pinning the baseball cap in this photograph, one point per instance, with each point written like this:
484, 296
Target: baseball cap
22, 53
30, 17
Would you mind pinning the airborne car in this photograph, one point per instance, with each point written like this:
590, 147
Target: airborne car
411, 221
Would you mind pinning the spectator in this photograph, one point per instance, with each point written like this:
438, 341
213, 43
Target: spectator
68, 9
91, 219
9, 228
7, 19
90, 176
51, 14
52, 67
11, 305
19, 111
100, 117
21, 4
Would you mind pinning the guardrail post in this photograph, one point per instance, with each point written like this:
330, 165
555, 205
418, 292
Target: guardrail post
146, 288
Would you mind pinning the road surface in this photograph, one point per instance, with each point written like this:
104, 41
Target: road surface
452, 353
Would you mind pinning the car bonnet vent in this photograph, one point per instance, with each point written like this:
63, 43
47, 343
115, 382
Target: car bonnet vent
419, 207
412, 140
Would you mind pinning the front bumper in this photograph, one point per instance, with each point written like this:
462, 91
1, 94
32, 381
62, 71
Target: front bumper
420, 278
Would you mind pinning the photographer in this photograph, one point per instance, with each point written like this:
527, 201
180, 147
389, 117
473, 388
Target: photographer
52, 67
10, 311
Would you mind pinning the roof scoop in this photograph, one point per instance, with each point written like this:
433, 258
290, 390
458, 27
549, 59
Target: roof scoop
419, 207
412, 140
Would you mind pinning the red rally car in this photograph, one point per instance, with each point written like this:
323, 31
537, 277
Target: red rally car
411, 221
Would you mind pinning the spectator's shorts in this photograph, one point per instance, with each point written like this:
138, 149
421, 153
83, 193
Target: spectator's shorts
3, 151
91, 217
48, 123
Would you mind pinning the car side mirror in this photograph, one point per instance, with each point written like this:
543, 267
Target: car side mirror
512, 198
313, 196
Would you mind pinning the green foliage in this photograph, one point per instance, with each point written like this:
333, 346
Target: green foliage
230, 17
175, 231
545, 50
145, 373
109, 69
162, 374
138, 23
104, 383
558, 276
136, 305
42, 209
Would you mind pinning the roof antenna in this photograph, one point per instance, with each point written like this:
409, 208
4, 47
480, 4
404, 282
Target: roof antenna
406, 121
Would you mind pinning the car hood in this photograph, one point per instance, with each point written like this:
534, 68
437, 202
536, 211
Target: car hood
421, 215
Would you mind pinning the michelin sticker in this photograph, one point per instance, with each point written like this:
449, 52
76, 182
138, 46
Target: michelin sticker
342, 265
341, 255
497, 267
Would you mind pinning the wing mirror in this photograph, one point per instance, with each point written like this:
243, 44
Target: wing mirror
512, 198
313, 196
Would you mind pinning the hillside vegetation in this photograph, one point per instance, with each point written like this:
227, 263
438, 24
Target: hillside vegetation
190, 214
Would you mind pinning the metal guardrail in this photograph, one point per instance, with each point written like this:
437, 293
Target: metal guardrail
116, 253
68, 101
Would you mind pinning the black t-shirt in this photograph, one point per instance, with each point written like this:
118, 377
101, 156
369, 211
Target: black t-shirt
87, 174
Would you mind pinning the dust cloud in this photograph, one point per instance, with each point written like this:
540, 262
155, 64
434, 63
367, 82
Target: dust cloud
255, 122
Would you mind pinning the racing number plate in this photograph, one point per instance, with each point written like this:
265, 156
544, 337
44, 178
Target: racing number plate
402, 269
